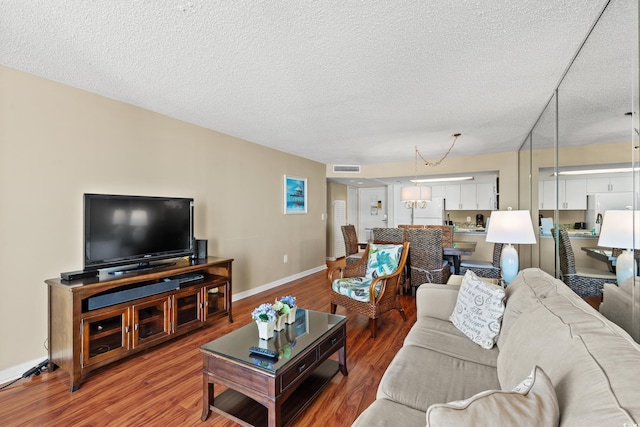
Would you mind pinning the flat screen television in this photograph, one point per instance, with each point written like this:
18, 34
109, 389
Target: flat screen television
122, 230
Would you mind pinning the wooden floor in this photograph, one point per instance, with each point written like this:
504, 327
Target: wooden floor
163, 386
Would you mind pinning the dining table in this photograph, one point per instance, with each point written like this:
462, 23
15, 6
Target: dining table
602, 254
457, 250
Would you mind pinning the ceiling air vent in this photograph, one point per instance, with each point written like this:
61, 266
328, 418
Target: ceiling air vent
347, 168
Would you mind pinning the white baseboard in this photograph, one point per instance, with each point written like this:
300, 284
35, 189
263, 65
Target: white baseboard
14, 372
267, 286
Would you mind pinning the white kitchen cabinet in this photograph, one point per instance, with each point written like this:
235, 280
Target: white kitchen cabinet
572, 194
438, 191
609, 185
452, 197
485, 197
470, 197
575, 194
547, 195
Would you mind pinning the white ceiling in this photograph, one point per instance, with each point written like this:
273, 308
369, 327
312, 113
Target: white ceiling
339, 82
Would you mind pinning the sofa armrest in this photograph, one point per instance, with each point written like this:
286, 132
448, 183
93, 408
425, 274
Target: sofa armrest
617, 306
435, 300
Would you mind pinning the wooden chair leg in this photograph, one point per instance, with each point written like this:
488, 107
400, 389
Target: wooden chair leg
373, 324
404, 316
333, 308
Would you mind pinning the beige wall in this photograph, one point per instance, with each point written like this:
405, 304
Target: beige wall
57, 143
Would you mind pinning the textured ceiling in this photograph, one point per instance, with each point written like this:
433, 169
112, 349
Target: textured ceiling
339, 82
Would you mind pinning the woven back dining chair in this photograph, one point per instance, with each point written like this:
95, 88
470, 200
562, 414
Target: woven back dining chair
388, 235
427, 264
353, 253
586, 282
487, 269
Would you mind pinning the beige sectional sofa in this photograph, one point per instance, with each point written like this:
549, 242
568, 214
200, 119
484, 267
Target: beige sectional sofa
621, 305
593, 365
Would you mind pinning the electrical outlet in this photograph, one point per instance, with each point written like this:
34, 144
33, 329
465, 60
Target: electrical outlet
286, 258
468, 219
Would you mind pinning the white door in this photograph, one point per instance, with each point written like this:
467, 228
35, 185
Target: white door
339, 219
373, 210
352, 206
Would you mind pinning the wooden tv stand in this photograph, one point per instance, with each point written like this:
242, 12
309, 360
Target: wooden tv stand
82, 339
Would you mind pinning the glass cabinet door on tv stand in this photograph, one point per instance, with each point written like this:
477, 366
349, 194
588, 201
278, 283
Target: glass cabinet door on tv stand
150, 322
105, 336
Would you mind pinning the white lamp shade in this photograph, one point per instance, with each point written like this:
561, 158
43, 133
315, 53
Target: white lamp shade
620, 229
511, 227
415, 192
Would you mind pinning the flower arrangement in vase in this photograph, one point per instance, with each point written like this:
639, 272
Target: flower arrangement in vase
290, 301
282, 312
265, 317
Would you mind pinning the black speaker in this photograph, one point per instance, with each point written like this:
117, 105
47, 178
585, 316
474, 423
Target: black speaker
200, 248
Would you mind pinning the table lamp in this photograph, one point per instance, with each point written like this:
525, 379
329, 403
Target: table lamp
510, 227
621, 229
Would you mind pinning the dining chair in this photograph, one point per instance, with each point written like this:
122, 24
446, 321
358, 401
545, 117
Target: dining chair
370, 287
353, 253
427, 263
487, 269
586, 282
447, 234
388, 235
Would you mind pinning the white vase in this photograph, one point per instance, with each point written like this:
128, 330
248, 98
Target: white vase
280, 320
265, 329
291, 316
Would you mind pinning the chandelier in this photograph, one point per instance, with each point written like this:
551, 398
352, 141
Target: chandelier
417, 196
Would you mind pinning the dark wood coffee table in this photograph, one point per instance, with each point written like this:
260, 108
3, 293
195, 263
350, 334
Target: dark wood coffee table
260, 390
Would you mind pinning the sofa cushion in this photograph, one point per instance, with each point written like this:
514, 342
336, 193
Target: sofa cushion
523, 294
442, 336
595, 370
479, 309
385, 413
383, 260
532, 402
418, 377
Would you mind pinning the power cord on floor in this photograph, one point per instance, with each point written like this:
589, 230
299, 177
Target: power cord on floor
36, 370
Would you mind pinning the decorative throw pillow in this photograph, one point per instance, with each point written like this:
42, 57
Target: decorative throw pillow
383, 260
532, 403
479, 309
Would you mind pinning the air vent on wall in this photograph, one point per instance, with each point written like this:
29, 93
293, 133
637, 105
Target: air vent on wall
347, 168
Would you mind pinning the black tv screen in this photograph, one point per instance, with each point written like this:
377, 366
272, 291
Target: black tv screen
121, 230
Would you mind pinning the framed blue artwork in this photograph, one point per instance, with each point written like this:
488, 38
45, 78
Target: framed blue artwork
295, 195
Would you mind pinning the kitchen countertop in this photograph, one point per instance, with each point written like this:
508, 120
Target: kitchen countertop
575, 234
470, 231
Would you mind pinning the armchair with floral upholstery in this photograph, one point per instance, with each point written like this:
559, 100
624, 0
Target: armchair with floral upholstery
370, 287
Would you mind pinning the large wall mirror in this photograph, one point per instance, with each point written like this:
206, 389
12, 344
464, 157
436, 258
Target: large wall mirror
588, 129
